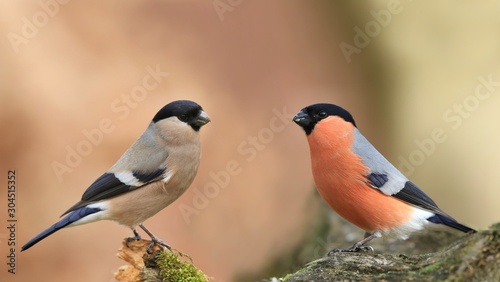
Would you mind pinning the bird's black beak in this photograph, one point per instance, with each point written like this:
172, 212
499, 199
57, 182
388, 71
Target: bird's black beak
201, 119
302, 119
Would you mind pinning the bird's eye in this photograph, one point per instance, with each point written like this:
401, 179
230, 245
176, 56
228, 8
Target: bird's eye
322, 114
183, 118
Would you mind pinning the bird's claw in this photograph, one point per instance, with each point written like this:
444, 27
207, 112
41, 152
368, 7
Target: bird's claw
136, 237
154, 240
353, 249
130, 239
365, 249
157, 242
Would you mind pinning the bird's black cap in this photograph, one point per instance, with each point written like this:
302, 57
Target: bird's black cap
186, 111
309, 116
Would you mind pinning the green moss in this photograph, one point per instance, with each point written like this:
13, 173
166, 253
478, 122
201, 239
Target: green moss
429, 269
173, 268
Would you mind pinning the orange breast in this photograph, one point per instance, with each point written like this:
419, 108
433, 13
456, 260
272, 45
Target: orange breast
340, 179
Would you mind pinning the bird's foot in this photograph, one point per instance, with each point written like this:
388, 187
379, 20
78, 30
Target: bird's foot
156, 241
136, 237
359, 246
354, 249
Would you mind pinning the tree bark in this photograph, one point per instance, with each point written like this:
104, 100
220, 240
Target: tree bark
473, 257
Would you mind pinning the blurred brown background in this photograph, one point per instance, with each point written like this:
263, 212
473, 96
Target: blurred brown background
403, 69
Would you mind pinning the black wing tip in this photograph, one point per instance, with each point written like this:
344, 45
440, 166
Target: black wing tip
412, 195
104, 187
74, 207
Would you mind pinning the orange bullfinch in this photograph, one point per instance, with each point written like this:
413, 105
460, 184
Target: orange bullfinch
149, 176
360, 184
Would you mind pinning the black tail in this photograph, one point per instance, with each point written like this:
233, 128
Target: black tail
441, 219
72, 217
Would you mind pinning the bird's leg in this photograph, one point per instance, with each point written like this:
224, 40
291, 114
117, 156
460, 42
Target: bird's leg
154, 240
358, 246
136, 237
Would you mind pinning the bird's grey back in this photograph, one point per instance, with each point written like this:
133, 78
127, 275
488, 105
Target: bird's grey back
378, 164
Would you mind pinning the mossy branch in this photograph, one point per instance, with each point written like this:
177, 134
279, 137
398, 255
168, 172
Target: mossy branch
160, 265
474, 257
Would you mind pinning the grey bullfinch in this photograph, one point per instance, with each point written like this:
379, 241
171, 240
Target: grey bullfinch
150, 175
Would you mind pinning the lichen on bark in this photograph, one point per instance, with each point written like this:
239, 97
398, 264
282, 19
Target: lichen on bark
473, 257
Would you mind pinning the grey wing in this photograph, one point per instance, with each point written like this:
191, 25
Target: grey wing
143, 163
386, 178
